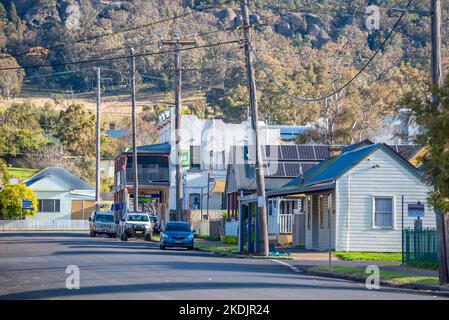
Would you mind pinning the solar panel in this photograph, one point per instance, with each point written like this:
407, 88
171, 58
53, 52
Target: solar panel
289, 153
321, 152
274, 169
292, 169
306, 153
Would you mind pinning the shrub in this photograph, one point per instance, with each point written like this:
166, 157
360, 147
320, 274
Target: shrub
229, 240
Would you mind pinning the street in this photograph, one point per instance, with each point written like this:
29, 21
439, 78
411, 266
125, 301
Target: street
33, 266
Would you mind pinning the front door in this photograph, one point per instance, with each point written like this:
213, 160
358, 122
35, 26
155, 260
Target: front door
315, 223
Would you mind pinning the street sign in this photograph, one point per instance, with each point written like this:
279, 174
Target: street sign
27, 205
416, 210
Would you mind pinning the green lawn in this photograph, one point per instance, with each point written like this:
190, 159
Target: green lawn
216, 248
22, 173
369, 256
393, 277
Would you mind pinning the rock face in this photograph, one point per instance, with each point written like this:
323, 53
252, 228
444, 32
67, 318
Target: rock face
317, 28
226, 17
42, 13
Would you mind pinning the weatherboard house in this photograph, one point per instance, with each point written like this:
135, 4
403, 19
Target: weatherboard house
61, 195
359, 200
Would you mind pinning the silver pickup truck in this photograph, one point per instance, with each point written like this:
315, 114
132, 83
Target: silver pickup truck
102, 223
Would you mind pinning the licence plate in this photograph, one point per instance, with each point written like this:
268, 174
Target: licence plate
138, 232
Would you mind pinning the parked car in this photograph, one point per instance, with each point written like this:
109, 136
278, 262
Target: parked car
135, 225
102, 223
177, 234
156, 224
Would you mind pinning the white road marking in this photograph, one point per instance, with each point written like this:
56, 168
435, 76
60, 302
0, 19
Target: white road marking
288, 265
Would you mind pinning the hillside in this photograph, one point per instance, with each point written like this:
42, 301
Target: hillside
309, 47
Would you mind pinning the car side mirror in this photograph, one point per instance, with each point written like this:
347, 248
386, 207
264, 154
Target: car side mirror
122, 220
194, 231
90, 219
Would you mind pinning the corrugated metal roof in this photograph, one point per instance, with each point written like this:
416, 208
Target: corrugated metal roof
325, 173
163, 148
71, 181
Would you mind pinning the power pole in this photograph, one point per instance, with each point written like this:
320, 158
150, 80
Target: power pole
442, 218
97, 150
260, 180
178, 44
134, 129
437, 73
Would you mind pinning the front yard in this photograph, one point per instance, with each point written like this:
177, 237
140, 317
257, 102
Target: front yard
395, 278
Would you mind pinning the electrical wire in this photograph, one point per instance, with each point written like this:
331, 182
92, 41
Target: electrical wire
347, 84
113, 33
151, 53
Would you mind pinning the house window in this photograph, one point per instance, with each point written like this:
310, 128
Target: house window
383, 212
49, 205
195, 162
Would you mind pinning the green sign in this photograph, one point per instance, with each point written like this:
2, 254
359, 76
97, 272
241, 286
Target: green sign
185, 158
145, 200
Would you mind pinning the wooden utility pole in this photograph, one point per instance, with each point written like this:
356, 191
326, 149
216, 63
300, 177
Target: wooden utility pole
437, 70
134, 131
259, 172
177, 43
97, 149
442, 218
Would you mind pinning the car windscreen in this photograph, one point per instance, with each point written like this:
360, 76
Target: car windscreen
177, 227
104, 218
137, 217
153, 219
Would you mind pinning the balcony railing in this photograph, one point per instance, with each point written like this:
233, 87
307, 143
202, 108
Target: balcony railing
149, 175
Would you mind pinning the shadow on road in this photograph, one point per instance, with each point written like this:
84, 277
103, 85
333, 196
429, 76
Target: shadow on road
140, 289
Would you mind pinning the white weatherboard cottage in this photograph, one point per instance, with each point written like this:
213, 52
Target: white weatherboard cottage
365, 187
61, 195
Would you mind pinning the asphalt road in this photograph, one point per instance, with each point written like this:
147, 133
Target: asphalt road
33, 265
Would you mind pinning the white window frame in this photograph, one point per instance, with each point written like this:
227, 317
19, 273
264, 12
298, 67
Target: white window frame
373, 211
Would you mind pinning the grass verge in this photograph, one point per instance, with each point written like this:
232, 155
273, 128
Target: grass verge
369, 256
392, 277
216, 248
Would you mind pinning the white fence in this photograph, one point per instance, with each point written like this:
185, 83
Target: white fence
232, 228
280, 224
285, 223
30, 225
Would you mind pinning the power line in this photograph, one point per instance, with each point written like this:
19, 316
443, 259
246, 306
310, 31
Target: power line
112, 33
347, 84
152, 53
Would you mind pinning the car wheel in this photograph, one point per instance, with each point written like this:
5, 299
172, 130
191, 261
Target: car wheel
125, 236
162, 247
94, 234
190, 248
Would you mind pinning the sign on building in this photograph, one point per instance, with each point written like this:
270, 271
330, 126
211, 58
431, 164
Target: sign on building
416, 210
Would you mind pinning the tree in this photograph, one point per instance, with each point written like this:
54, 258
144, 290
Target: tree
10, 201
10, 80
12, 13
4, 174
76, 130
431, 109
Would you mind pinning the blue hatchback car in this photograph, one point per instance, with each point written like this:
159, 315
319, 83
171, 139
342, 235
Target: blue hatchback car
177, 234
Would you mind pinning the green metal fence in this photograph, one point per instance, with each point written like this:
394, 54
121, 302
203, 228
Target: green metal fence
420, 246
